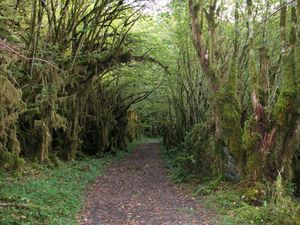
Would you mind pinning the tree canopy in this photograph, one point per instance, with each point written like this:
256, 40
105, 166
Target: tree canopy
218, 80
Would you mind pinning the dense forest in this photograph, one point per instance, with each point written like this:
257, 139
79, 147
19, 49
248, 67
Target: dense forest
218, 80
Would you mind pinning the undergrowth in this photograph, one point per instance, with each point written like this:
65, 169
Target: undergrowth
51, 194
175, 161
235, 206
245, 203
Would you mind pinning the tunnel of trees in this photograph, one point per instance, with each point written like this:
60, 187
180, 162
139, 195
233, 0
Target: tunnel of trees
219, 81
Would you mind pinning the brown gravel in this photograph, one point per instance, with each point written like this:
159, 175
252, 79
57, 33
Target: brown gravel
137, 191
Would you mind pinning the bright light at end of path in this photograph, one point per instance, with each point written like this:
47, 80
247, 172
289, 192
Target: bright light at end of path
161, 3
157, 6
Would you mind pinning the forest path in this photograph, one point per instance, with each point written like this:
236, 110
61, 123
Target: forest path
137, 191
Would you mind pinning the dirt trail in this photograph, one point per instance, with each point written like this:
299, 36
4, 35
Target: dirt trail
137, 191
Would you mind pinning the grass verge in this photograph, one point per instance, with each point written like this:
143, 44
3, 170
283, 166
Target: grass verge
51, 195
245, 203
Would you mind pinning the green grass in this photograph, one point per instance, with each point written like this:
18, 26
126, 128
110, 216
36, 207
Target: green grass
52, 195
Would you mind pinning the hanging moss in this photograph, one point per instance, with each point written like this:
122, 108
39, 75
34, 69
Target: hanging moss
72, 135
10, 102
45, 137
58, 121
14, 144
10, 96
134, 126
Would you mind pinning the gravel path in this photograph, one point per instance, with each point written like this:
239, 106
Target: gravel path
137, 191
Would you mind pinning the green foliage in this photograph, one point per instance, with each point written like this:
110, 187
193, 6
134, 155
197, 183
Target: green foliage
72, 83
176, 161
195, 157
198, 156
61, 86
239, 205
208, 159
245, 203
209, 187
255, 194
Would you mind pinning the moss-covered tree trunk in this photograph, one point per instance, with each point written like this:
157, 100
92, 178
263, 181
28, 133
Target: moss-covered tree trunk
226, 115
270, 140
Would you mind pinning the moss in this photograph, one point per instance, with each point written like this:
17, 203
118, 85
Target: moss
250, 140
14, 144
289, 91
11, 161
6, 158
9, 95
284, 105
230, 116
58, 121
19, 164
199, 154
46, 139
10, 101
250, 135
